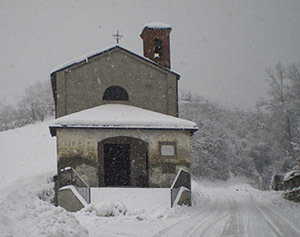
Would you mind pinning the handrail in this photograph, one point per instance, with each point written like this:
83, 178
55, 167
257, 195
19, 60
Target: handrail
182, 180
177, 177
75, 172
83, 188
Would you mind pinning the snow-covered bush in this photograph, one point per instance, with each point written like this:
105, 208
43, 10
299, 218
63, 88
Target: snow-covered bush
106, 208
22, 213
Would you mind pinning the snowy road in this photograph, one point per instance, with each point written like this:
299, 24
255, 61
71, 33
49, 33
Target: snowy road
234, 212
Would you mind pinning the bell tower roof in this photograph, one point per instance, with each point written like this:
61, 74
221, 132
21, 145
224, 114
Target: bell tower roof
157, 25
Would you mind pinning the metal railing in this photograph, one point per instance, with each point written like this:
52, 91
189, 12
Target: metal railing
182, 179
69, 176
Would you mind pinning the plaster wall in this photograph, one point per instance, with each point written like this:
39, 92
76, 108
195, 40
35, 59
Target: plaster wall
82, 85
68, 200
78, 148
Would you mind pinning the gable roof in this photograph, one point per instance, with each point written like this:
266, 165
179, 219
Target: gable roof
86, 58
117, 116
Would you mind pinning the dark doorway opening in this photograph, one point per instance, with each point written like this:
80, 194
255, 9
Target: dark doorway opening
123, 161
116, 164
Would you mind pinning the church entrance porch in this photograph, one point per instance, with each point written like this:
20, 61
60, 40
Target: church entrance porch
123, 161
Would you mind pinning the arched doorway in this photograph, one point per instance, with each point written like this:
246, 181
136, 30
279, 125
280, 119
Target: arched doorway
123, 161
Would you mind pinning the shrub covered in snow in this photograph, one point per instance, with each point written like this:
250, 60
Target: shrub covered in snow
23, 213
106, 208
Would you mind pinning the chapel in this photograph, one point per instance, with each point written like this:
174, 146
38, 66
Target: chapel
117, 126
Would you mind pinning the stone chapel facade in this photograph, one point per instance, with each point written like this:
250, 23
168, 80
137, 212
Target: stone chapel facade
117, 119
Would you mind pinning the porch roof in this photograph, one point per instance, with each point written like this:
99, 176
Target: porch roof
122, 117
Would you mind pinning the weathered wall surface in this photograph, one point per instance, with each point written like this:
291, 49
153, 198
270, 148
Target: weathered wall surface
82, 86
68, 200
78, 148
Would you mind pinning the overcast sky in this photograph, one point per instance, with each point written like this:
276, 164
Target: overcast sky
221, 48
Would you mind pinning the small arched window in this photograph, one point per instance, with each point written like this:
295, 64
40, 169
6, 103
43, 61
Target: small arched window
115, 93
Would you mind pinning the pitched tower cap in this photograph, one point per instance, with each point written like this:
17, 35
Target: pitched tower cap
157, 25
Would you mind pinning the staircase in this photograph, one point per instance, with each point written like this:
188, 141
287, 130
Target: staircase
76, 194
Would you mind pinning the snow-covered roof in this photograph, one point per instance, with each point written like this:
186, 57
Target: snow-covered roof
87, 57
157, 25
291, 174
121, 116
81, 58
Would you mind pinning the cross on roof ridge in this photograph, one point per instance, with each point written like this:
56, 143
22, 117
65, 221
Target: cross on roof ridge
117, 36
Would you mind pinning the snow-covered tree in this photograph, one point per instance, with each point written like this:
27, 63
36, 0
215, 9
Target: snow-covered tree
283, 108
7, 117
37, 102
232, 141
35, 105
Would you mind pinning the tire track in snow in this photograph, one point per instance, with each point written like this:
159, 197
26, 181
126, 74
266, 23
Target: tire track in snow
214, 223
186, 224
209, 222
266, 218
227, 220
235, 225
211, 225
231, 214
280, 225
202, 224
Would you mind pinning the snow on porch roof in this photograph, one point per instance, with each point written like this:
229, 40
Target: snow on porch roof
121, 116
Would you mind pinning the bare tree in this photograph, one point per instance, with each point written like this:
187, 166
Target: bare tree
279, 104
284, 110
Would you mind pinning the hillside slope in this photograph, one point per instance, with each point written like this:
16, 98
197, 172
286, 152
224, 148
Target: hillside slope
26, 152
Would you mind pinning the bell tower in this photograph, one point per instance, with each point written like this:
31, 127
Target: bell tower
156, 43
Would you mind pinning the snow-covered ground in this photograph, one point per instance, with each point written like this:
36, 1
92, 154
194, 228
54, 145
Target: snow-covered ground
26, 152
231, 208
